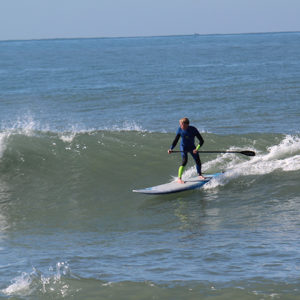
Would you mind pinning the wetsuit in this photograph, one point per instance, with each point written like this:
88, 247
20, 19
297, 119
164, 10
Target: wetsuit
187, 145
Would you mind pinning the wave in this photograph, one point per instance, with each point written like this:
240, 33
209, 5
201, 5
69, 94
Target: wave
281, 157
81, 182
59, 282
52, 283
23, 151
82, 172
28, 125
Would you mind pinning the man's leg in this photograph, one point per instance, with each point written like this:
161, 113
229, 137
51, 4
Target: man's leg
181, 168
198, 164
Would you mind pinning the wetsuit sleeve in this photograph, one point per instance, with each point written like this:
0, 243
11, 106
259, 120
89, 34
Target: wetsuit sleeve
200, 138
175, 141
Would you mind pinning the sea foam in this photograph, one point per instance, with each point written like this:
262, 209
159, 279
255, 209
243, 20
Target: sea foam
284, 156
36, 283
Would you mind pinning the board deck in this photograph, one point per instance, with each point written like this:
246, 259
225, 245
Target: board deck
175, 187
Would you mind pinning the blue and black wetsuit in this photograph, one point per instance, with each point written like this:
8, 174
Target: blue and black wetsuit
187, 145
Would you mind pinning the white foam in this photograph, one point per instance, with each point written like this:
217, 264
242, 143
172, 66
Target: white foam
27, 283
284, 156
20, 286
126, 126
288, 146
68, 137
3, 142
25, 126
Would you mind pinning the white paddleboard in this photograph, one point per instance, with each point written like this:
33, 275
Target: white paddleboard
175, 187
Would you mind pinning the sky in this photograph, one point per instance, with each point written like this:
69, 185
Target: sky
44, 19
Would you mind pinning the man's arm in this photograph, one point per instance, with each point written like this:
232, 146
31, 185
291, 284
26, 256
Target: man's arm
174, 143
200, 138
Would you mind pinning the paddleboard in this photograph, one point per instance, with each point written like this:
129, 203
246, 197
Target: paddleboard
175, 187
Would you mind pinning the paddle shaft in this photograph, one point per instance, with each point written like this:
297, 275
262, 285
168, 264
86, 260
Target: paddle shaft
247, 152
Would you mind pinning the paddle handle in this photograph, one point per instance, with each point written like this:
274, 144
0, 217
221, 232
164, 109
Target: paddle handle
246, 152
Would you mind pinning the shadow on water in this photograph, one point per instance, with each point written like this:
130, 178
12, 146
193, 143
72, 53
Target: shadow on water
188, 211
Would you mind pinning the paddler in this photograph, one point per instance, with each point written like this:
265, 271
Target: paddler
187, 145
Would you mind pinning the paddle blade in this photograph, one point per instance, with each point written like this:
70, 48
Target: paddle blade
248, 153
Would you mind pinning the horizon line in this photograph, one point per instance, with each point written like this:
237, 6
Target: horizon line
147, 36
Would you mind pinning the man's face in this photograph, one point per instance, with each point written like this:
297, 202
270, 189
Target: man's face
183, 126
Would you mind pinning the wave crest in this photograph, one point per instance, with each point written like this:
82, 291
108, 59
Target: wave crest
284, 156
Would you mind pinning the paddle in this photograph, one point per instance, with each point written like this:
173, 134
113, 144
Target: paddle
246, 152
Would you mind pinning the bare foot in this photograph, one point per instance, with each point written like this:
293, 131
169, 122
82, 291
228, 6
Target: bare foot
180, 181
201, 177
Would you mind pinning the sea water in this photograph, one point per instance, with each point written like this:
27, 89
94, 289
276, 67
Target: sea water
85, 121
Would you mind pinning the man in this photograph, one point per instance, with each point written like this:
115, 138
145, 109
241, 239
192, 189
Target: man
187, 145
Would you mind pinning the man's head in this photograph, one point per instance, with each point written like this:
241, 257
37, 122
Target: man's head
184, 123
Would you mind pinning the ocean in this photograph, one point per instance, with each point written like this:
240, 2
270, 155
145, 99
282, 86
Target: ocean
83, 122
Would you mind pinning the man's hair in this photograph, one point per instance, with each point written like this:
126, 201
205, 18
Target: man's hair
185, 121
